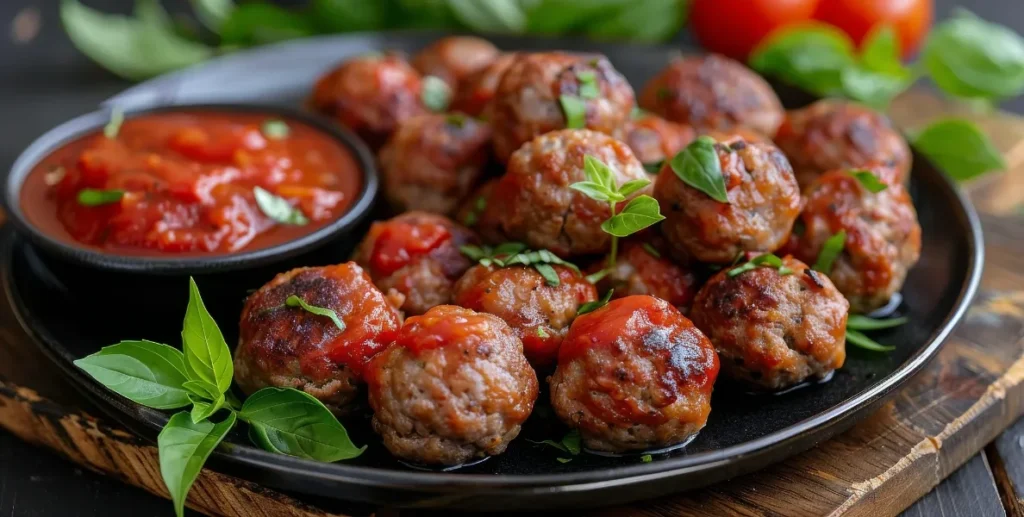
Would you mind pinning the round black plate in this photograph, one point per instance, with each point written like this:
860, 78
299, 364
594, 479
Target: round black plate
74, 312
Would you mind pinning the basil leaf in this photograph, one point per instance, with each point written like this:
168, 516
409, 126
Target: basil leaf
698, 167
859, 322
549, 274
212, 13
575, 111
641, 212
278, 208
435, 93
588, 84
97, 197
203, 410
207, 357
295, 301
632, 186
597, 172
859, 340
595, 305
830, 252
880, 52
497, 16
114, 126
295, 423
184, 447
351, 15
810, 56
275, 129
959, 148
646, 21
869, 181
254, 23
202, 389
144, 372
596, 192
509, 248
473, 252
969, 57
872, 88
560, 16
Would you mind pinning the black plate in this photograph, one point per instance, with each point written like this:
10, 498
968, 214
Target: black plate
744, 433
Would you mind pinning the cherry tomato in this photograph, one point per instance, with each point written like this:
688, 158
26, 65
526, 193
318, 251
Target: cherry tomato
909, 18
735, 27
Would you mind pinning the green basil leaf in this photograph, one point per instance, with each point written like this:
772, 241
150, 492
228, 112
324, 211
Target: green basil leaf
880, 52
560, 16
595, 305
596, 192
810, 56
278, 208
212, 13
435, 93
959, 148
203, 410
114, 126
509, 248
207, 356
588, 84
872, 88
860, 322
295, 301
275, 129
202, 389
473, 252
651, 250
632, 186
350, 15
830, 252
496, 16
859, 340
549, 274
575, 111
97, 197
869, 181
969, 57
765, 260
597, 172
698, 167
641, 212
646, 21
295, 423
144, 372
255, 23
184, 447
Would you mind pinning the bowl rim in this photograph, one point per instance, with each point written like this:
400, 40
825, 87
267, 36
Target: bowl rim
94, 121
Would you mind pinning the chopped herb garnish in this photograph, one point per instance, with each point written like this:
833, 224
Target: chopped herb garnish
541, 333
830, 252
278, 208
435, 93
597, 276
570, 444
860, 340
515, 253
860, 322
456, 120
698, 166
767, 260
295, 301
651, 250
114, 126
869, 181
575, 111
275, 129
588, 84
97, 197
564, 460
646, 458
595, 305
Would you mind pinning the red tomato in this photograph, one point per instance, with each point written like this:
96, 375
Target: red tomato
909, 18
735, 27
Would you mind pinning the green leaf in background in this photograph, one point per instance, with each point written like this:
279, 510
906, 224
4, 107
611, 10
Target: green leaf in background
969, 57
872, 88
184, 447
348, 15
294, 422
644, 21
641, 212
212, 13
697, 165
959, 148
561, 16
258, 23
207, 356
496, 16
810, 56
145, 372
418, 14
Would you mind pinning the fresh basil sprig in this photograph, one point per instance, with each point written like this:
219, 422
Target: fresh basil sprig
766, 260
958, 147
282, 420
515, 253
595, 305
697, 165
278, 208
869, 181
575, 110
570, 444
830, 252
97, 197
435, 93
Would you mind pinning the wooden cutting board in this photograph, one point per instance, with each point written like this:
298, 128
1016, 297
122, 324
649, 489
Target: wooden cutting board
971, 392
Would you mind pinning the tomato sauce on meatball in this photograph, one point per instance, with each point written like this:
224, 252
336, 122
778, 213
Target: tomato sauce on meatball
476, 90
654, 139
286, 346
454, 386
643, 266
773, 331
634, 375
454, 58
415, 257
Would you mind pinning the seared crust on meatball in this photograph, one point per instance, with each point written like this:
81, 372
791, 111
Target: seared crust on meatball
477, 89
454, 386
481, 215
634, 375
416, 257
773, 331
453, 58
527, 102
369, 94
835, 134
433, 161
883, 237
764, 200
537, 206
290, 347
539, 313
654, 139
643, 266
713, 92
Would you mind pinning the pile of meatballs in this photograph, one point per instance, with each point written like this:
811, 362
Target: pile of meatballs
450, 351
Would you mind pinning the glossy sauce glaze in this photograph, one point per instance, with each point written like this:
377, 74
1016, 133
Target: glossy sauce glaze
188, 182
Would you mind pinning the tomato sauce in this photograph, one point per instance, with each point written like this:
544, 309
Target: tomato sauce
183, 183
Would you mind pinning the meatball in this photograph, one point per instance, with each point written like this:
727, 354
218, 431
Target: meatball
773, 331
539, 313
634, 375
643, 267
654, 139
763, 196
369, 94
731, 135
713, 92
415, 256
454, 58
883, 238
433, 161
835, 134
480, 214
454, 386
537, 206
528, 103
477, 89
285, 346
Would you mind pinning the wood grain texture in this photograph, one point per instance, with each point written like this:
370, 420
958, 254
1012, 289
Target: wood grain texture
1006, 457
969, 492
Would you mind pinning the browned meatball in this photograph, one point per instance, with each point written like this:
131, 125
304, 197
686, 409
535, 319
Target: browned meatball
433, 161
454, 386
482, 216
883, 238
835, 134
538, 207
539, 313
477, 89
454, 58
369, 94
634, 375
773, 331
527, 102
713, 92
654, 139
763, 196
285, 346
731, 135
643, 266
415, 256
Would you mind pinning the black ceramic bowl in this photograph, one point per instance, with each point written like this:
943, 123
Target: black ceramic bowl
75, 128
